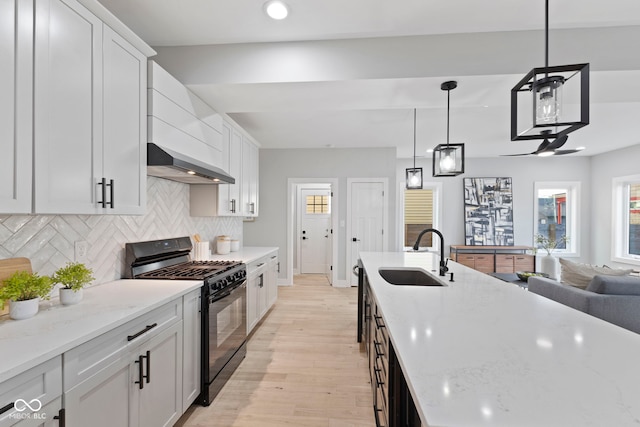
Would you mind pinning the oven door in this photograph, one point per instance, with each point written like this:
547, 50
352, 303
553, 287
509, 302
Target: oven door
226, 327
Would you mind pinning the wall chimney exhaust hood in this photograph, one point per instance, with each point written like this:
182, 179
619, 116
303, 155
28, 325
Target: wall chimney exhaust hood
168, 164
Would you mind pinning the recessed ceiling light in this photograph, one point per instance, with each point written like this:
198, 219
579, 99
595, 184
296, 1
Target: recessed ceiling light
276, 9
191, 172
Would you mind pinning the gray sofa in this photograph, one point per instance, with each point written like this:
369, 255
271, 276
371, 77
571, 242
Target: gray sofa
615, 299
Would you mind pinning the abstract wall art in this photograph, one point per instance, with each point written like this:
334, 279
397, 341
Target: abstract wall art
488, 211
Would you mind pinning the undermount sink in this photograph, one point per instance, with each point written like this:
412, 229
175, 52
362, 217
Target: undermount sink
408, 277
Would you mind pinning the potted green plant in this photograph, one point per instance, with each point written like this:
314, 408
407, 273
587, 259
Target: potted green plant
24, 291
548, 263
73, 277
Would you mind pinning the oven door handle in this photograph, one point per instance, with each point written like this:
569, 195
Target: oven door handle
226, 293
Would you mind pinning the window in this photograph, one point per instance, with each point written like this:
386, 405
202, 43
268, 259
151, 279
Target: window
626, 219
420, 211
318, 205
556, 214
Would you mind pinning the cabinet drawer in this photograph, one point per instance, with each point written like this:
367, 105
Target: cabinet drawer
523, 263
91, 357
484, 263
43, 383
260, 263
466, 260
504, 263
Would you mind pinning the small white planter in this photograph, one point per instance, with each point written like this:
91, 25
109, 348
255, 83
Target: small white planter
69, 296
20, 310
549, 265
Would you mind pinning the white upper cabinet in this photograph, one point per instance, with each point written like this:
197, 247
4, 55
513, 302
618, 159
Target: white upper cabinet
229, 194
16, 63
90, 104
124, 124
73, 110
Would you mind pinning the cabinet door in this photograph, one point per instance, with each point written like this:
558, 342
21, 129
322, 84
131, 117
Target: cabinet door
44, 417
272, 283
504, 263
160, 400
103, 400
252, 300
191, 345
16, 62
124, 124
67, 109
466, 259
229, 194
524, 262
484, 263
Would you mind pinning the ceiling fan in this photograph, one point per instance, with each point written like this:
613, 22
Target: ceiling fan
550, 148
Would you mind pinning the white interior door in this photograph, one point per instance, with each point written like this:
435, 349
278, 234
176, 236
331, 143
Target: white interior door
315, 225
367, 220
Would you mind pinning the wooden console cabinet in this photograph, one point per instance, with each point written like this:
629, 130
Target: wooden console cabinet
494, 259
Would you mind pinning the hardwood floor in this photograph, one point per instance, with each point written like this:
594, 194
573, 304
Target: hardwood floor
303, 366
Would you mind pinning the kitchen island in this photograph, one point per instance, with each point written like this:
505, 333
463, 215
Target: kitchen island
479, 351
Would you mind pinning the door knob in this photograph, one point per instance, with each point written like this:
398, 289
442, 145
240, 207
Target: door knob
355, 239
304, 237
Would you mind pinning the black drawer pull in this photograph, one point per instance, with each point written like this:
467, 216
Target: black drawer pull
136, 335
7, 407
379, 324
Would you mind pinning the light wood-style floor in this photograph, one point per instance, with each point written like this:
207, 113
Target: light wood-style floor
303, 366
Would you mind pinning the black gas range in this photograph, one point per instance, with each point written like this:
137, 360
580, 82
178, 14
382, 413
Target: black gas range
224, 304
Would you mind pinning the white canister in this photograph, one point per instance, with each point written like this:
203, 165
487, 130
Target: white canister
223, 245
235, 245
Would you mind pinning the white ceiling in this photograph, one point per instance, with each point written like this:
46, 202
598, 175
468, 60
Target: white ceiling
348, 73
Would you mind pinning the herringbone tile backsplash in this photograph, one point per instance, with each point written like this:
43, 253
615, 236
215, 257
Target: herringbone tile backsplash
48, 240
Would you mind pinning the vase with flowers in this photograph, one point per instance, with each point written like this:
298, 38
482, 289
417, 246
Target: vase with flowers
549, 263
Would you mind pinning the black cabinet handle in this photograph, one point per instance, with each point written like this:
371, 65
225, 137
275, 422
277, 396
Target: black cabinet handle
379, 381
378, 324
140, 372
260, 265
136, 335
278, 266
379, 353
61, 417
148, 376
103, 183
111, 188
7, 407
261, 281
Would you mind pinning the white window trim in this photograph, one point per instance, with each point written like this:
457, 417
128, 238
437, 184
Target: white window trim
436, 187
619, 220
573, 215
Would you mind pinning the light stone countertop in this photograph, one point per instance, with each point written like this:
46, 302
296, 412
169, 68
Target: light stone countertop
484, 352
245, 254
57, 328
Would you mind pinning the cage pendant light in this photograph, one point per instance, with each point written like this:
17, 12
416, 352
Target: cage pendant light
414, 174
448, 159
550, 101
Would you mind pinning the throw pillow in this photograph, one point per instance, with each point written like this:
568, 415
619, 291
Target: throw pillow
579, 275
622, 285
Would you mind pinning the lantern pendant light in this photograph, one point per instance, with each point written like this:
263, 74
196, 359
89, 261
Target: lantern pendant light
551, 101
448, 159
414, 175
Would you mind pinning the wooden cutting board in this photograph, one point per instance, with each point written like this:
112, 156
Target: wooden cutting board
10, 266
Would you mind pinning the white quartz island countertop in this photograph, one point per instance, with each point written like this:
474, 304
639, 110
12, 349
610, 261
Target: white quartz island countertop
484, 352
57, 328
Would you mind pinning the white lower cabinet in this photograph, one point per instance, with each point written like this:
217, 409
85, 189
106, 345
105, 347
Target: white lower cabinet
130, 376
262, 290
33, 398
192, 346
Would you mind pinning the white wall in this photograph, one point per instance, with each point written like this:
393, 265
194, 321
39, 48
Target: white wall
524, 171
604, 168
277, 165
